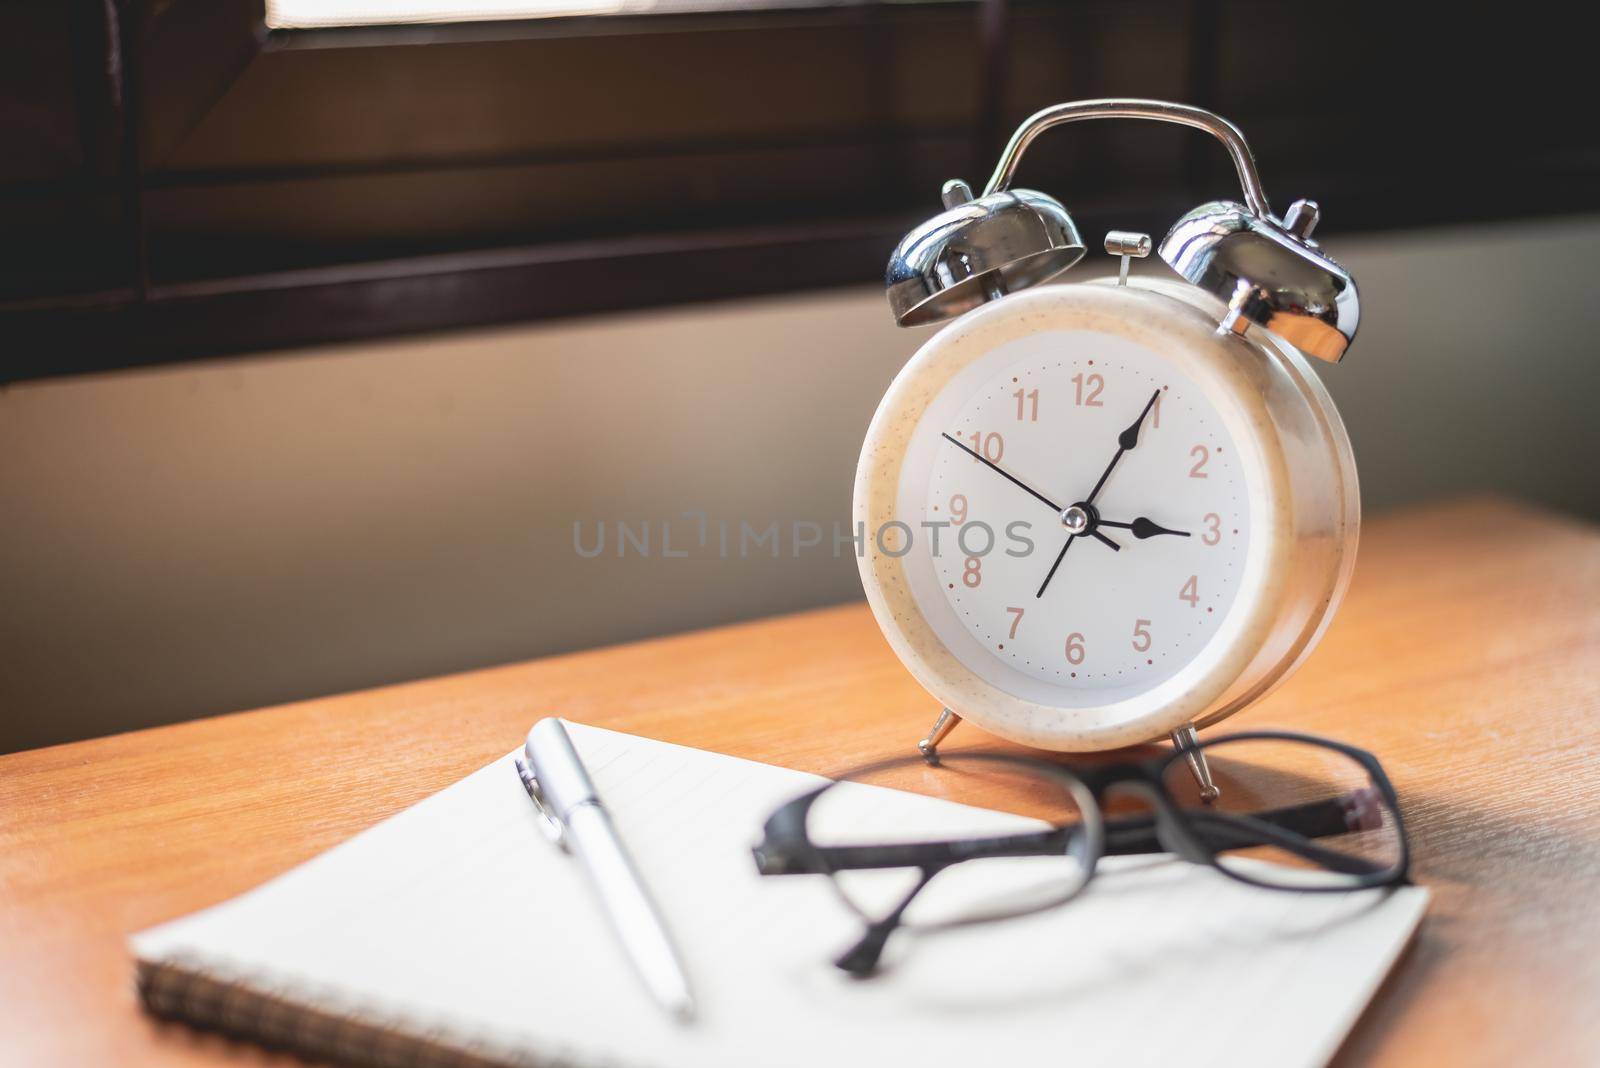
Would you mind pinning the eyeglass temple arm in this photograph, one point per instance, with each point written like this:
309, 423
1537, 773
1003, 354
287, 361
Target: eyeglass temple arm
1124, 837
1313, 819
862, 958
1244, 832
927, 854
1290, 829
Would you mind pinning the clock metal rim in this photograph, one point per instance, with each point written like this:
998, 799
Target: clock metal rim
1150, 315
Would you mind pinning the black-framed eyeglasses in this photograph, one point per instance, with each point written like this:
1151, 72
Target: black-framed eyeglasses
1296, 812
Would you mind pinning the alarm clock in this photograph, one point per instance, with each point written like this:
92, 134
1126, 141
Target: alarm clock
1105, 513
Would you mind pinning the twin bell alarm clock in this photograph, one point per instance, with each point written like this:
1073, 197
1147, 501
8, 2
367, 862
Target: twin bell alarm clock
1106, 513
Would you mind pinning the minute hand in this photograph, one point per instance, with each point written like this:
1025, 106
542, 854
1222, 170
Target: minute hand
1054, 507
1125, 441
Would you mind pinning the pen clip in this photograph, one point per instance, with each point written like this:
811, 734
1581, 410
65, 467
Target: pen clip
548, 823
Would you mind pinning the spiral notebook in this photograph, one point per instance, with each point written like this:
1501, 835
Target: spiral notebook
456, 934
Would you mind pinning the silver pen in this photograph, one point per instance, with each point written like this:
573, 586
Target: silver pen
575, 819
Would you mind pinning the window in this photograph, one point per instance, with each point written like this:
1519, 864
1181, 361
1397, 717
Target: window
184, 181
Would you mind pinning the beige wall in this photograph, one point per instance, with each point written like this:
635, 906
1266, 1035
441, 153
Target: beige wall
195, 539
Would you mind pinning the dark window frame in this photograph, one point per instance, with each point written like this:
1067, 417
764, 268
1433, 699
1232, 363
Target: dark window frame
149, 75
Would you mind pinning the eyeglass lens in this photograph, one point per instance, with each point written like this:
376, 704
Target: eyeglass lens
977, 862
1291, 814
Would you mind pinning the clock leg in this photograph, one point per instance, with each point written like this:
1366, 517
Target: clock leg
1187, 743
929, 746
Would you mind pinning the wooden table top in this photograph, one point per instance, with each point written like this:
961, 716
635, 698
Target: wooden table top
1467, 657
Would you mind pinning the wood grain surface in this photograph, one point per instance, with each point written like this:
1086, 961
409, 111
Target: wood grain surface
1467, 657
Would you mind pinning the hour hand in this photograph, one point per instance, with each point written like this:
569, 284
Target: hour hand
1143, 528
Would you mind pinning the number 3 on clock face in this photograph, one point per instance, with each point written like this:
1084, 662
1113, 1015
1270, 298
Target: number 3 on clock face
1120, 521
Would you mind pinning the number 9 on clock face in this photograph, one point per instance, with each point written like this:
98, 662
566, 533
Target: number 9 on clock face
1091, 518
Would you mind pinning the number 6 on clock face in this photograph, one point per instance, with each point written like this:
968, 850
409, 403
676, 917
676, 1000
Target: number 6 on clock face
1150, 521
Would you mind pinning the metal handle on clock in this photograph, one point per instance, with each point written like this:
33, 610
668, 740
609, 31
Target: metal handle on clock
1255, 197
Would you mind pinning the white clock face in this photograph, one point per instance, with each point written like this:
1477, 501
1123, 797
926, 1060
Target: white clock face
1041, 457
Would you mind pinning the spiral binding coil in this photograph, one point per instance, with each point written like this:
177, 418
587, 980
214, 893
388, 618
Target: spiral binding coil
317, 1028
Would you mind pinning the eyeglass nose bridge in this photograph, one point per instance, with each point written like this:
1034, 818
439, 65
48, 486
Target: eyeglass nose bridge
1170, 831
